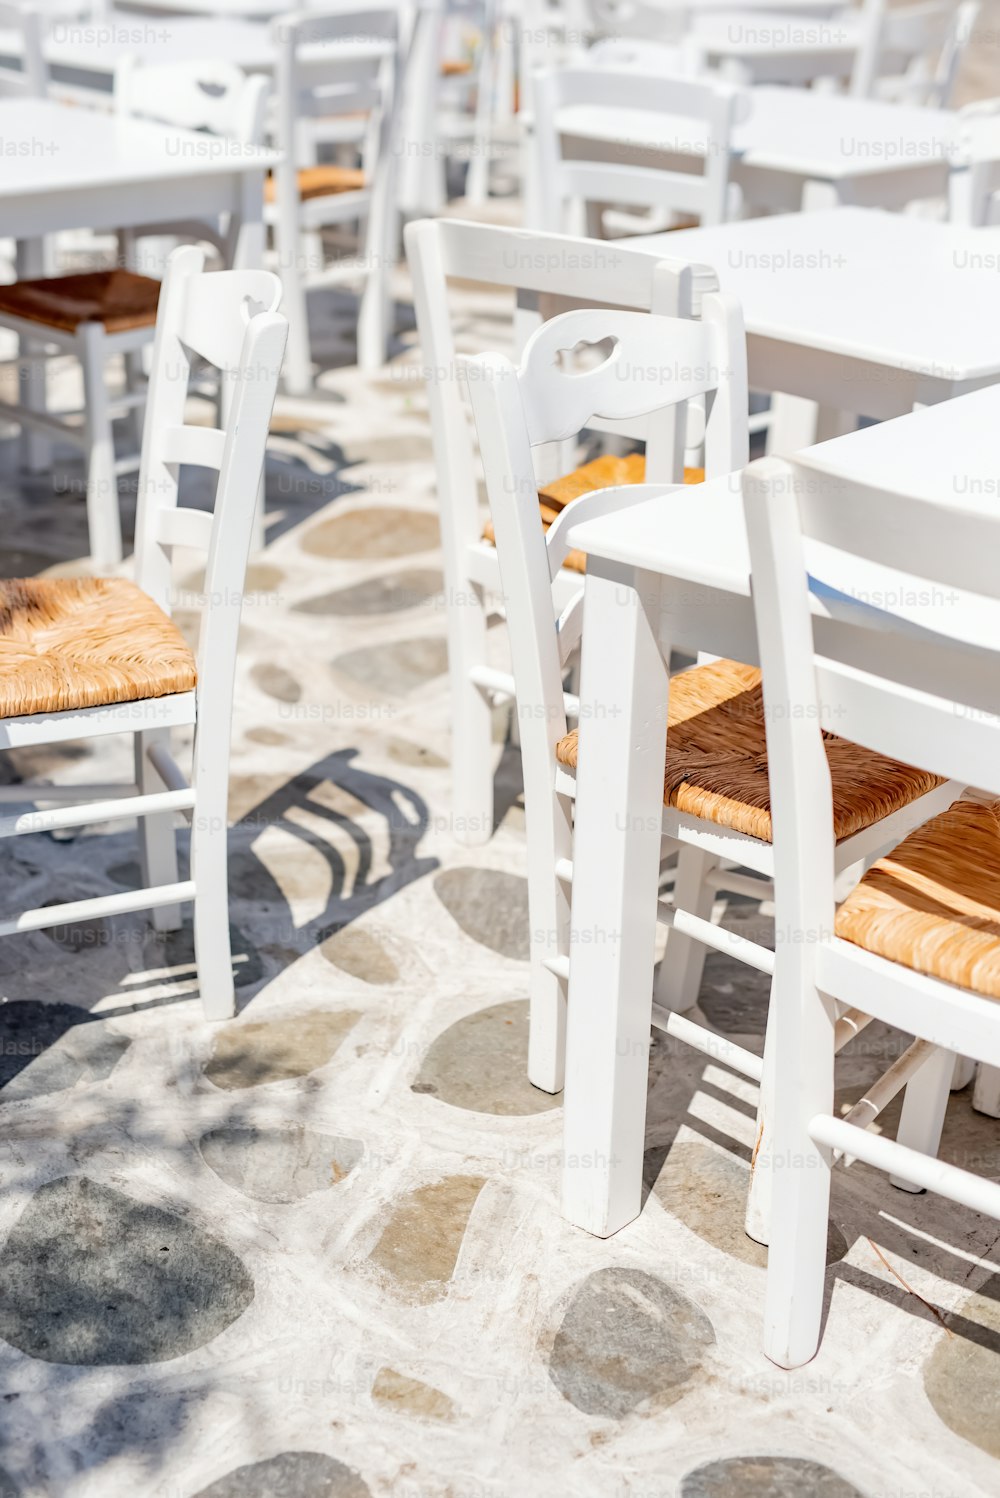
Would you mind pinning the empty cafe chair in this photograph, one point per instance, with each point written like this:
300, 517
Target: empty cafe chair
543, 271
917, 942
716, 788
334, 65
91, 656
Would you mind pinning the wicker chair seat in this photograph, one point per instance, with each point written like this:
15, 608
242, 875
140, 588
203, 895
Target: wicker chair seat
599, 473
68, 643
716, 765
320, 182
119, 299
933, 903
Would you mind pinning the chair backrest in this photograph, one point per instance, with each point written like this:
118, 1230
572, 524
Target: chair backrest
546, 272
917, 45
216, 97
230, 319
869, 668
644, 19
654, 362
30, 79
683, 121
333, 61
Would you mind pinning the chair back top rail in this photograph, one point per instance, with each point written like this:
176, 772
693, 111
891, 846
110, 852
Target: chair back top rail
710, 106
216, 96
542, 269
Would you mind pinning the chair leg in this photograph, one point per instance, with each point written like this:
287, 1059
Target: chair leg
757, 1223
925, 1103
103, 515
986, 1093
298, 368
548, 917
679, 980
258, 526
965, 1070
134, 381
210, 871
804, 1040
373, 320
471, 719
157, 839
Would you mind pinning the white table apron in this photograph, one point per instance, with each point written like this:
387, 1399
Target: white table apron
822, 325
861, 152
674, 572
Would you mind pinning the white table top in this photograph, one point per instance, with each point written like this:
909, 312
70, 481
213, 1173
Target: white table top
947, 453
908, 293
750, 33
825, 137
80, 149
96, 46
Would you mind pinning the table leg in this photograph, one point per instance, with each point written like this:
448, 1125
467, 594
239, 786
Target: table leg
35, 448
616, 855
248, 240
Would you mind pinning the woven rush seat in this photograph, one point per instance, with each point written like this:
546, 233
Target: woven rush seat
716, 765
118, 298
86, 642
933, 903
320, 182
599, 473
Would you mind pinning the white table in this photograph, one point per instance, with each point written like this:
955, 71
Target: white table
88, 169
860, 311
862, 151
758, 47
83, 54
673, 572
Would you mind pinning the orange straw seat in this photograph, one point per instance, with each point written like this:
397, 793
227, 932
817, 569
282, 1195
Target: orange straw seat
716, 766
68, 643
119, 299
933, 903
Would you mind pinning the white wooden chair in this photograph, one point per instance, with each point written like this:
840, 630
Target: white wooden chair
547, 272
29, 79
911, 53
716, 771
95, 315
462, 67
977, 202
915, 944
571, 101
334, 63
86, 657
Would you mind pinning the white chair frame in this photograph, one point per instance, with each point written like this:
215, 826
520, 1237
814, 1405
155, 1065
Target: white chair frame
712, 108
516, 409
931, 696
31, 79
216, 97
912, 53
361, 71
228, 318
548, 272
